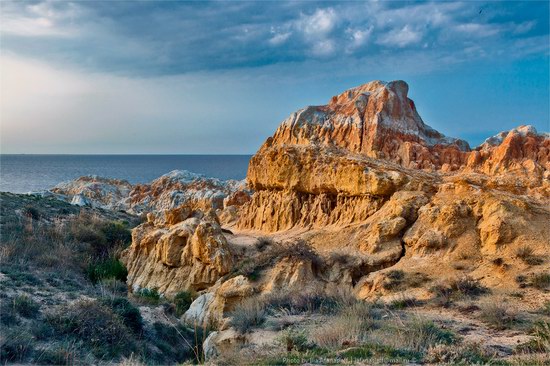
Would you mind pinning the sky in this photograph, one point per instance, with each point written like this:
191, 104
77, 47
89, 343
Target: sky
170, 77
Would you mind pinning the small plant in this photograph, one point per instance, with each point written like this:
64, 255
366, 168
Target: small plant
183, 301
527, 255
462, 354
420, 335
455, 289
541, 339
498, 315
131, 317
148, 295
31, 212
249, 314
26, 307
293, 339
109, 268
16, 344
95, 325
405, 302
541, 280
263, 243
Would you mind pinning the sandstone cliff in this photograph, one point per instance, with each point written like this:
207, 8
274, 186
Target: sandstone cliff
369, 188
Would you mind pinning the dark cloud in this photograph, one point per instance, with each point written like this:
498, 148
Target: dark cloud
166, 38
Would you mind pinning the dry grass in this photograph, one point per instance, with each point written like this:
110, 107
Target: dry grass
457, 289
350, 327
528, 255
498, 315
249, 314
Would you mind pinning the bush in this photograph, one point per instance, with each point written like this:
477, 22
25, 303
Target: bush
456, 289
31, 212
463, 354
96, 326
149, 295
541, 339
541, 280
183, 301
303, 302
15, 345
250, 313
498, 315
527, 255
349, 327
293, 339
57, 355
109, 268
26, 307
130, 315
174, 342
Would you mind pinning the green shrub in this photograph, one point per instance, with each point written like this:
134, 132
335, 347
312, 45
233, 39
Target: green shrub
130, 315
56, 355
16, 344
540, 341
150, 295
293, 339
31, 212
117, 232
183, 301
94, 325
176, 343
249, 314
462, 354
109, 268
456, 289
26, 307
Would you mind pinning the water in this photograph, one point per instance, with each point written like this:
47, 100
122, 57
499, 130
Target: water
27, 173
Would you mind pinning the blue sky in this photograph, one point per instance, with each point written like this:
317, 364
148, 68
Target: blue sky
218, 77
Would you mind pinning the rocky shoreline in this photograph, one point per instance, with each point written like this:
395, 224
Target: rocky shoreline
357, 197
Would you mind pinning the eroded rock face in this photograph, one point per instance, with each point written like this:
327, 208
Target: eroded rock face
172, 190
184, 251
370, 187
180, 187
95, 191
378, 120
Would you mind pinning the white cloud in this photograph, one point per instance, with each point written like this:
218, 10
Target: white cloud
359, 37
477, 29
323, 47
319, 24
279, 38
400, 37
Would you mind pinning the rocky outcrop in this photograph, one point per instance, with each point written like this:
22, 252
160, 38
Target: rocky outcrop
369, 186
179, 187
94, 191
378, 120
185, 250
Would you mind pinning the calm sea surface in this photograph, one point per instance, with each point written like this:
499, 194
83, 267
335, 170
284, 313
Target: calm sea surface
27, 173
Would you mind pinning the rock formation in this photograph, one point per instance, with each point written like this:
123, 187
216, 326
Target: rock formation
169, 191
94, 191
369, 186
184, 250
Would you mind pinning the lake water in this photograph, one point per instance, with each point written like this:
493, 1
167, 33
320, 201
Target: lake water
28, 173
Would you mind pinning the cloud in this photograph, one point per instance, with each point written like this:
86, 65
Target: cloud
401, 37
171, 38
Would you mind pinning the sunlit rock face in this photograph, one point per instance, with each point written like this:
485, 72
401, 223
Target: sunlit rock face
368, 186
377, 120
338, 163
184, 250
